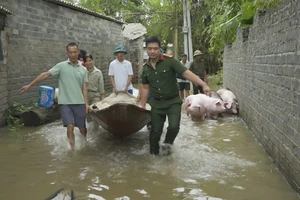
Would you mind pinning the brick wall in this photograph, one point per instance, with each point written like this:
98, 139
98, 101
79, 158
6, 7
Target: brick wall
36, 36
263, 69
136, 56
3, 78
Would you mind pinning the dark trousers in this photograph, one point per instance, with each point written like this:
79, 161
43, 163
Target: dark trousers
158, 118
196, 89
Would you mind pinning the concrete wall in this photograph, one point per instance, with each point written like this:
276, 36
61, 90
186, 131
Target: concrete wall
263, 69
34, 39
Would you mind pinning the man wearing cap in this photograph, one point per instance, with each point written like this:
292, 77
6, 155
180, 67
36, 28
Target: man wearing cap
159, 78
183, 84
120, 71
198, 68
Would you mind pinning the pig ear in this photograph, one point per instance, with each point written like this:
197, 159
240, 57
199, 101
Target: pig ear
225, 104
228, 105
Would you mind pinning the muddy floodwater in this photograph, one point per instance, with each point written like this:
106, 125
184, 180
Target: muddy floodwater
214, 160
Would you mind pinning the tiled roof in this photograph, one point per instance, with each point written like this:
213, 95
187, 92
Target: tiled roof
84, 10
133, 31
4, 10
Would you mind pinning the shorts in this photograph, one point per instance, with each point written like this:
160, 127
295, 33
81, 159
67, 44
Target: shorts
73, 114
130, 91
183, 86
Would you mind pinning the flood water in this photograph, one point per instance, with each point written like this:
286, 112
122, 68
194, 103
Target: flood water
212, 160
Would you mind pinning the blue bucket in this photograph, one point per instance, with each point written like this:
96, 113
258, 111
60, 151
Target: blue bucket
46, 96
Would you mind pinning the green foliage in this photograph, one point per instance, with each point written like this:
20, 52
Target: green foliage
127, 10
214, 22
11, 120
219, 77
227, 15
158, 16
162, 18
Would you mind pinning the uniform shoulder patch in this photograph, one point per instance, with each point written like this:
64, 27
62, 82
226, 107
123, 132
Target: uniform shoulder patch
168, 55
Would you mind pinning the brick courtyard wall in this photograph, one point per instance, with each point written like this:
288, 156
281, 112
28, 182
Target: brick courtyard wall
263, 69
34, 39
136, 56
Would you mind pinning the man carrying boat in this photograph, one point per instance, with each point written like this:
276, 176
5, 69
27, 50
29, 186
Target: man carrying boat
159, 77
73, 97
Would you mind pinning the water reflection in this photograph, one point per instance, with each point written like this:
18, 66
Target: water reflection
215, 160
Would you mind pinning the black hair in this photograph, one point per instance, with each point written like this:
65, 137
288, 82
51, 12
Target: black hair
71, 44
82, 54
183, 55
88, 56
152, 39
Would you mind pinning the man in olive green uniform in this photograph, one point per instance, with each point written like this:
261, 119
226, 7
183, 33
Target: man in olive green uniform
198, 67
159, 77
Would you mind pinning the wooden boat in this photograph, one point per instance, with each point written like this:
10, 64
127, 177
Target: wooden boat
59, 196
122, 119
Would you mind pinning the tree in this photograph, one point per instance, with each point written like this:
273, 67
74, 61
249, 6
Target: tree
127, 10
164, 19
227, 15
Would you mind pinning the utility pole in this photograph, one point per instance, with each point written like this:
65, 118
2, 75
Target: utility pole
175, 35
187, 30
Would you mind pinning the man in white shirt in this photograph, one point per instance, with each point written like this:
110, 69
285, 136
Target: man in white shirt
120, 71
184, 84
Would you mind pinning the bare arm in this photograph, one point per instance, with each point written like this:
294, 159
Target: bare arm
140, 92
128, 82
85, 96
37, 80
112, 80
101, 86
195, 79
144, 94
205, 77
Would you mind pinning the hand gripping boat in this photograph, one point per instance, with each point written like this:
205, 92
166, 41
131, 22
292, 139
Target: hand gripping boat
120, 114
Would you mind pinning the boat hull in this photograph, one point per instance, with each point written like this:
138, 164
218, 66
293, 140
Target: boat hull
122, 119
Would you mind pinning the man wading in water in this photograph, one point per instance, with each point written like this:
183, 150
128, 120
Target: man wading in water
159, 77
73, 97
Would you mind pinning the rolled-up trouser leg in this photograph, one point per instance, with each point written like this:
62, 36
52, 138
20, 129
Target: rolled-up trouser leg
158, 118
174, 116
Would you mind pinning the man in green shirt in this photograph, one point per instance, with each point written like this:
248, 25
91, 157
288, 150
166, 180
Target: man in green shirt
198, 67
72, 97
159, 77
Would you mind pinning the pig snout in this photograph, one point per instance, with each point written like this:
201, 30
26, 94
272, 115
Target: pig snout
232, 107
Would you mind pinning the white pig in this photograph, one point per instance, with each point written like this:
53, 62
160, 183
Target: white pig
215, 95
213, 106
193, 108
229, 98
